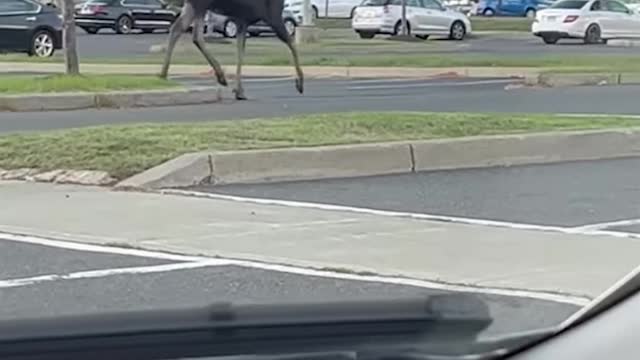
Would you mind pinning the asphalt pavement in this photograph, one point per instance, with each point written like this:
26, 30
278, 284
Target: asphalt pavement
564, 194
515, 44
277, 97
43, 281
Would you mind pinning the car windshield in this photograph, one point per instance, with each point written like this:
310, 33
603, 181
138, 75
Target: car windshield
457, 175
568, 4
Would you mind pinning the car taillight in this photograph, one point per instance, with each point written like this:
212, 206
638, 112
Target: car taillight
570, 18
97, 9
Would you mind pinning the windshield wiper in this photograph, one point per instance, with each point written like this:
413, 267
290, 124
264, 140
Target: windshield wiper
227, 330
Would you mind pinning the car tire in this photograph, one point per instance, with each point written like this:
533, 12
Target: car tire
42, 44
124, 25
366, 34
530, 13
290, 25
592, 35
397, 30
314, 13
550, 39
353, 12
254, 33
230, 29
488, 12
458, 31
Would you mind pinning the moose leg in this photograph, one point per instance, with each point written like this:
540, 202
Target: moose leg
179, 26
198, 35
241, 38
282, 34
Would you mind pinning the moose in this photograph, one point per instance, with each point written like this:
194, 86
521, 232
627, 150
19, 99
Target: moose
244, 13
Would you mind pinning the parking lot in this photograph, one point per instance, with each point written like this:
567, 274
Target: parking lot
72, 278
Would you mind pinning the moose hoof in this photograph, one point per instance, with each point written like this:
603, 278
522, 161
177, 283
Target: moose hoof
239, 94
299, 85
222, 80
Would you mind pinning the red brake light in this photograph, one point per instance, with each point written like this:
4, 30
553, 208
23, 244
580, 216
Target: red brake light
570, 18
97, 9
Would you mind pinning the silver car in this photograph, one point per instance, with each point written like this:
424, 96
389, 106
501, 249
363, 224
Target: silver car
227, 27
425, 18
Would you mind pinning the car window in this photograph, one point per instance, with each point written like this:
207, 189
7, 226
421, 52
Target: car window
617, 7
569, 4
153, 3
135, 2
413, 3
432, 4
596, 6
16, 6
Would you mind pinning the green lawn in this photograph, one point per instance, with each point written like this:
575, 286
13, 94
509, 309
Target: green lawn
16, 84
124, 150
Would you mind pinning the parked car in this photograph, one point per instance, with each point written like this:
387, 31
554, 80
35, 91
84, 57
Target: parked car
31, 27
424, 17
595, 21
326, 8
227, 27
124, 16
526, 8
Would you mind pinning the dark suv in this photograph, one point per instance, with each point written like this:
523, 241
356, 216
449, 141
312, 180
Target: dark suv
31, 27
123, 16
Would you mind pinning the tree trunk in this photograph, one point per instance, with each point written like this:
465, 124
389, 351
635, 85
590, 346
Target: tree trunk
69, 39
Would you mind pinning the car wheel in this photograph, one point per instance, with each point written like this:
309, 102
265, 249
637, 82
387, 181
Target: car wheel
458, 31
550, 39
592, 35
124, 25
42, 44
530, 13
230, 29
366, 34
488, 12
397, 30
353, 12
290, 25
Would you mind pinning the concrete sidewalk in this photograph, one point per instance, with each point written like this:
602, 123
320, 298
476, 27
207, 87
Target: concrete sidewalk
252, 70
581, 265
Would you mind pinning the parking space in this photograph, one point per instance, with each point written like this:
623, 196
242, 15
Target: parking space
564, 195
44, 279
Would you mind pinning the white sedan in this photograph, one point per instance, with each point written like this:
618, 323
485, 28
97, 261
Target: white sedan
595, 21
424, 17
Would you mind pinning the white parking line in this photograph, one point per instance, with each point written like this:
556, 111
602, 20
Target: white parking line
201, 262
401, 214
432, 84
96, 248
606, 225
93, 274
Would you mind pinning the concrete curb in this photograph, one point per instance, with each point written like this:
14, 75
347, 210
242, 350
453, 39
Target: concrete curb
278, 71
531, 75
259, 166
115, 99
550, 79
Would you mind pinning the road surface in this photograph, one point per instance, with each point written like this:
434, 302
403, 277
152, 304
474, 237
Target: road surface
277, 97
110, 45
564, 194
32, 284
